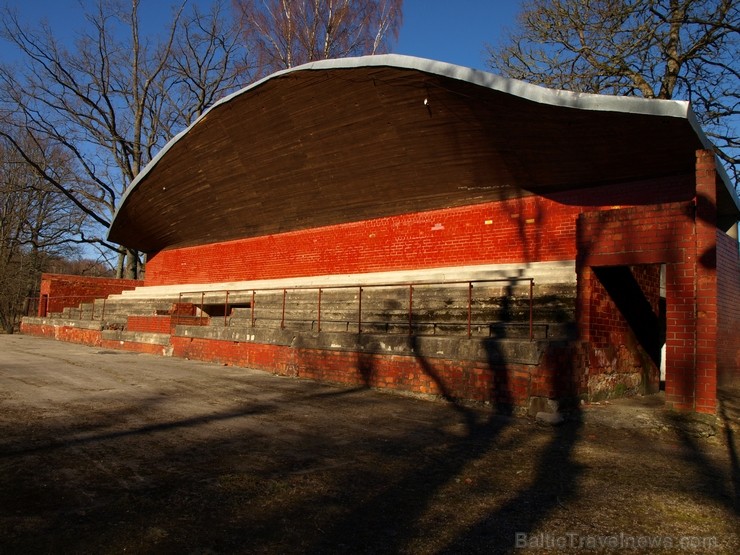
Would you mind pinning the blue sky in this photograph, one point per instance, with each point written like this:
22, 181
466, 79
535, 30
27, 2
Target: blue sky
453, 31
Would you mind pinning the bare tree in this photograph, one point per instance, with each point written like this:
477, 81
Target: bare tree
36, 222
209, 61
669, 49
113, 100
287, 33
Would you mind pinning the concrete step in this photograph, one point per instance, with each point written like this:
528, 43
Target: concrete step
512, 314
499, 330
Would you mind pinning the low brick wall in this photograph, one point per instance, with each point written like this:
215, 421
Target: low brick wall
136, 347
510, 375
68, 333
150, 324
519, 376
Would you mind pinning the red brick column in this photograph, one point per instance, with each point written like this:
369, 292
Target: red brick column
681, 334
706, 282
691, 343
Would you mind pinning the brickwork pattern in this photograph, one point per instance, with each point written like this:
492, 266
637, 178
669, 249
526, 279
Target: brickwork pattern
616, 359
728, 311
164, 323
654, 234
69, 334
150, 324
706, 282
135, 347
685, 238
505, 385
64, 291
507, 231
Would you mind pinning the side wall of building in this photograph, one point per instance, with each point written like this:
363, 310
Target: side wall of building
728, 309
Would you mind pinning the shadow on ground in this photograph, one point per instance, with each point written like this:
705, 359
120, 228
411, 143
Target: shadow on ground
205, 459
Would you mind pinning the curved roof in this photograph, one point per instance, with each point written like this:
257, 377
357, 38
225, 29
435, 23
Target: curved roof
356, 138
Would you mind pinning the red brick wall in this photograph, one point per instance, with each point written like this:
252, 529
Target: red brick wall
163, 323
63, 333
685, 237
643, 235
728, 311
63, 290
136, 347
648, 276
509, 385
607, 324
521, 230
149, 324
646, 235
450, 237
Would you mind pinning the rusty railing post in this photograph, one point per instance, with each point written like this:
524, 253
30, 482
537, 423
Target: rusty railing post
531, 310
251, 306
470, 308
226, 308
319, 311
411, 308
202, 299
282, 322
359, 310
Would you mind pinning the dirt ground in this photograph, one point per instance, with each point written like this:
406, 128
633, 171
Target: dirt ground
111, 452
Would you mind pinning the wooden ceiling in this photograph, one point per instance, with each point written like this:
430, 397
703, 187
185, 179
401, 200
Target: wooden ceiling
314, 148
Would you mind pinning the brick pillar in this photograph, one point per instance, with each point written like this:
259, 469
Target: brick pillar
43, 306
691, 302
680, 331
584, 289
706, 282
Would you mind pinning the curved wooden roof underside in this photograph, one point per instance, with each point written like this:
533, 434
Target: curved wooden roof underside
347, 140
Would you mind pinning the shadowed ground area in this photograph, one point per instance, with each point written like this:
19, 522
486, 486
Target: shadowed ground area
111, 452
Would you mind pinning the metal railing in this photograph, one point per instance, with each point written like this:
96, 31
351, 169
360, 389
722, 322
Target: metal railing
360, 288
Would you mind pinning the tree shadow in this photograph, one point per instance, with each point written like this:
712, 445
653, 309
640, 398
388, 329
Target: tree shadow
78, 436
306, 469
399, 508
729, 414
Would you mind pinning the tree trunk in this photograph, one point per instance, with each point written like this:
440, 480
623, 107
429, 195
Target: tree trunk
119, 263
132, 264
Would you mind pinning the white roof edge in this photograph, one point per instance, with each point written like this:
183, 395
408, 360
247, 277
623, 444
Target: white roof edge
521, 89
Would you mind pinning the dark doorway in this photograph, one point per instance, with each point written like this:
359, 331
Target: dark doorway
635, 291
